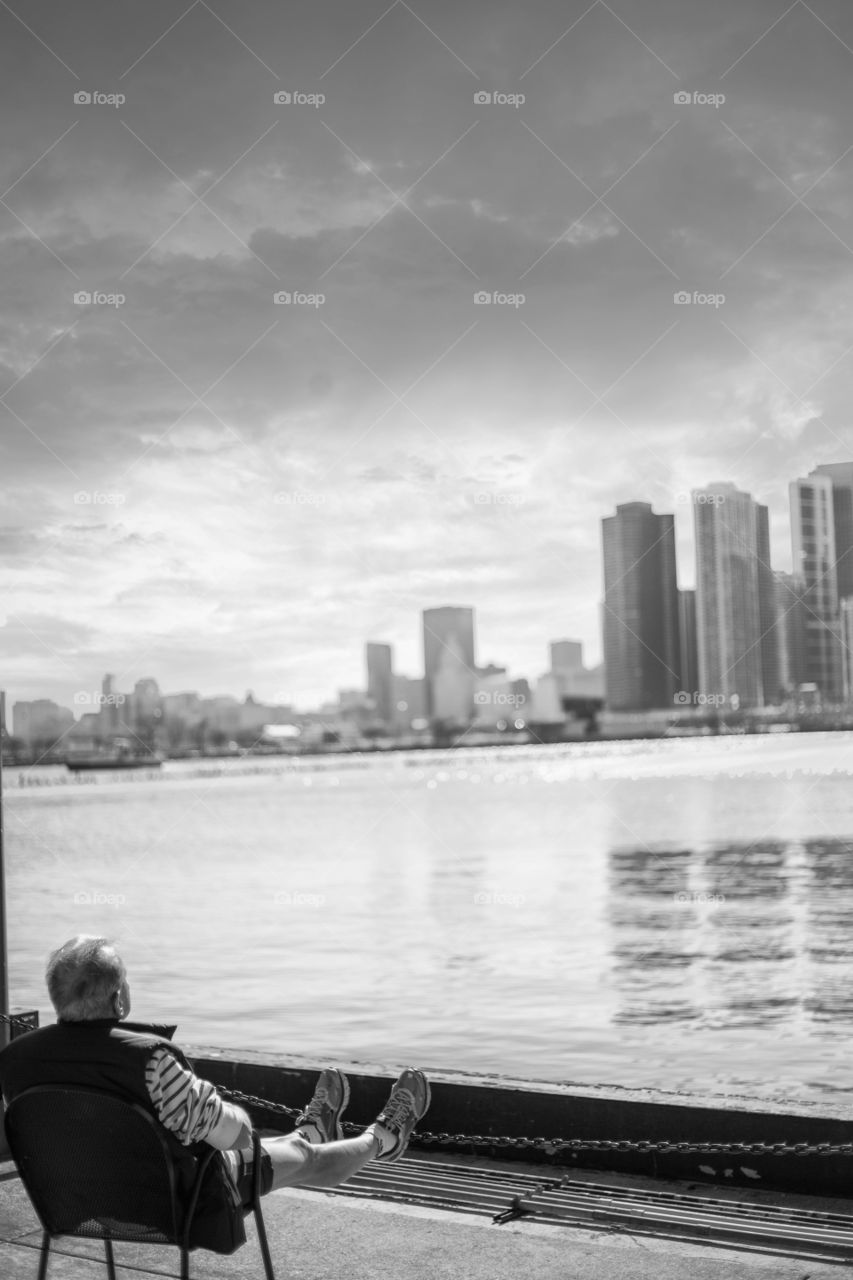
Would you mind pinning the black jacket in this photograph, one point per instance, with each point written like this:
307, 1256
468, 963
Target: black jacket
111, 1055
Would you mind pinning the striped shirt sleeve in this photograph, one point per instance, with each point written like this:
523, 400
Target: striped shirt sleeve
186, 1105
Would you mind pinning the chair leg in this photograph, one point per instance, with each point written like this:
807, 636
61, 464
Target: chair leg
185, 1263
262, 1241
111, 1262
256, 1205
45, 1251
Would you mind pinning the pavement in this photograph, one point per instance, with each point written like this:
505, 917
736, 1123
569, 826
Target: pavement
316, 1235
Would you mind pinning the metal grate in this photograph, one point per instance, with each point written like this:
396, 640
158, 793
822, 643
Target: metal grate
505, 1195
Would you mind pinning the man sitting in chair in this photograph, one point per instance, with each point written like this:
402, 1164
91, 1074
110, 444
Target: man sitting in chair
92, 1045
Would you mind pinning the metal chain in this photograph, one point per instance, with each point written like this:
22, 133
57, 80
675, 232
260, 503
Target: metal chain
550, 1146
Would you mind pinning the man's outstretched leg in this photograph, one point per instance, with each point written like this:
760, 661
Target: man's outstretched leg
317, 1154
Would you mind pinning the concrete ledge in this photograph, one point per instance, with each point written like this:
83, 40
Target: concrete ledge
464, 1103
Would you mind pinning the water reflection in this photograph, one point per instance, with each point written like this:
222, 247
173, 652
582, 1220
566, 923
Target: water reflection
735, 935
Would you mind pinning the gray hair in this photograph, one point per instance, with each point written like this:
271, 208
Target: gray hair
82, 976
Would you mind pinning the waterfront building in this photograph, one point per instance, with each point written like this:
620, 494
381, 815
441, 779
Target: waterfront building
841, 477
380, 681
688, 653
409, 703
815, 563
729, 594
566, 656
448, 639
41, 722
640, 621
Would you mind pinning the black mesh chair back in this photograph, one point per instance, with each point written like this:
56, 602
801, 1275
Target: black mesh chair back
95, 1165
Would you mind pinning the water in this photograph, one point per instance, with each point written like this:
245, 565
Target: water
674, 914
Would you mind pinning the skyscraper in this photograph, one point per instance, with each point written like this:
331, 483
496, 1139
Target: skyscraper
448, 634
689, 658
566, 655
640, 617
814, 556
771, 638
380, 681
729, 532
841, 475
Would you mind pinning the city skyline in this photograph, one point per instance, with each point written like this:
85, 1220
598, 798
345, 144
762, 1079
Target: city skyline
836, 477
202, 481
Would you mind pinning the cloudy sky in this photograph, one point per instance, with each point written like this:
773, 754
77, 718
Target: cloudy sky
228, 492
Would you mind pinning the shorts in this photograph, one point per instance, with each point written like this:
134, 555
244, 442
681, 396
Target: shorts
239, 1165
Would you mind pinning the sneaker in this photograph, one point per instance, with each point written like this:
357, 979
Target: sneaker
406, 1105
325, 1109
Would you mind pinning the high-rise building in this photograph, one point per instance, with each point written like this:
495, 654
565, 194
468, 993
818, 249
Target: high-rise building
689, 657
847, 648
448, 634
814, 556
40, 723
791, 631
728, 527
640, 618
771, 639
380, 680
841, 475
409, 702
566, 656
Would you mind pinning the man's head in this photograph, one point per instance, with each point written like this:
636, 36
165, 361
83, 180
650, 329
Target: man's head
86, 979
